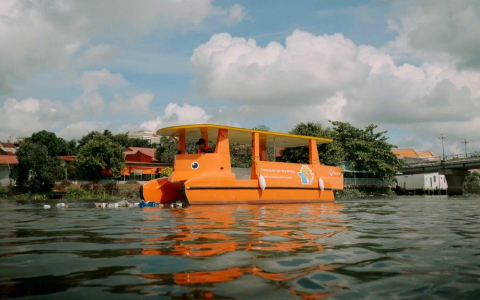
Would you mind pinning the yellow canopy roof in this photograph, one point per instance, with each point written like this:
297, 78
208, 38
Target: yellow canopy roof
241, 135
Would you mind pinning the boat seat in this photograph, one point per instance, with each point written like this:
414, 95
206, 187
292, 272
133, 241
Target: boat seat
242, 173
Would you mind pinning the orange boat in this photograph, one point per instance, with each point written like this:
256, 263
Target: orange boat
208, 178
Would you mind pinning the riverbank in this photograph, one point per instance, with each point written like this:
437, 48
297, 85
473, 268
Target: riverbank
364, 192
68, 191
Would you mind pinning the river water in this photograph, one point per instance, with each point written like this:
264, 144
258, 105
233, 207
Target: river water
404, 247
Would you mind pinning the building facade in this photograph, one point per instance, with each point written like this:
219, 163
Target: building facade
145, 135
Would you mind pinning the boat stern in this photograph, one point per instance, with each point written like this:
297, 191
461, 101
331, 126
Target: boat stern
161, 191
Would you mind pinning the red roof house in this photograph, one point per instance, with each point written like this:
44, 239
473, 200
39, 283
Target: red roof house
137, 154
7, 149
8, 160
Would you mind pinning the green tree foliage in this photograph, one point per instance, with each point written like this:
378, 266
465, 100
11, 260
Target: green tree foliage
141, 143
262, 128
36, 171
55, 146
329, 153
166, 172
240, 155
121, 138
472, 183
125, 141
100, 153
168, 148
71, 147
87, 138
367, 150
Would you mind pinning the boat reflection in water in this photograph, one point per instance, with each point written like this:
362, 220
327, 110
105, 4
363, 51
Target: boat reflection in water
258, 233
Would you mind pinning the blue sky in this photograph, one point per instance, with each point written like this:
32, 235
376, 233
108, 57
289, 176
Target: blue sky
412, 67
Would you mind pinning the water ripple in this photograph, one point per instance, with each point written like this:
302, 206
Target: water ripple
412, 247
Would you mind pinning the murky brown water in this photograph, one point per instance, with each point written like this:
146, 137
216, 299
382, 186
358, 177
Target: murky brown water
411, 247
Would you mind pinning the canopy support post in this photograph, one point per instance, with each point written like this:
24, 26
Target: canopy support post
255, 154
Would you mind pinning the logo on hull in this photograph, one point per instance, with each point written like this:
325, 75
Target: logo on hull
306, 175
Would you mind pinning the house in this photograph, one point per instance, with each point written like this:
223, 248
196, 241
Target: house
6, 163
142, 161
429, 183
137, 154
145, 135
8, 149
413, 156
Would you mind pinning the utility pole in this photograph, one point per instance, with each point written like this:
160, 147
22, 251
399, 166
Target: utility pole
442, 137
465, 142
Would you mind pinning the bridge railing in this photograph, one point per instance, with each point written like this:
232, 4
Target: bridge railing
462, 156
449, 160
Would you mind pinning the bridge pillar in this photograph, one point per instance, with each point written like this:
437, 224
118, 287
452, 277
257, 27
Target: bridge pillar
455, 179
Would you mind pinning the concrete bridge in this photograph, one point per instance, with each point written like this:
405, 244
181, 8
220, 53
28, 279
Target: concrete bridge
454, 167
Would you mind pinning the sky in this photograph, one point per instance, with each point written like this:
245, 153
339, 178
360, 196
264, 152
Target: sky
412, 67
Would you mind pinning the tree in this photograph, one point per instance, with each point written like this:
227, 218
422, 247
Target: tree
36, 170
55, 146
262, 128
121, 138
168, 148
367, 150
100, 153
329, 153
71, 147
125, 141
241, 154
141, 143
472, 183
87, 138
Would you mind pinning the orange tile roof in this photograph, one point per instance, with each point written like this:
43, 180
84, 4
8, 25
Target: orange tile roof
412, 153
430, 154
147, 151
8, 160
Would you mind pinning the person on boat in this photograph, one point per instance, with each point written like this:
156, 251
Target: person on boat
203, 148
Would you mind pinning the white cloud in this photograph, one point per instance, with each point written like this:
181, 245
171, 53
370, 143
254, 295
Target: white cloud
99, 54
129, 127
175, 114
35, 35
307, 69
79, 129
91, 80
332, 108
329, 77
236, 14
137, 105
438, 30
21, 118
89, 104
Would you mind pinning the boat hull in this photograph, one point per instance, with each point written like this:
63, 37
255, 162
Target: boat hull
255, 195
218, 189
